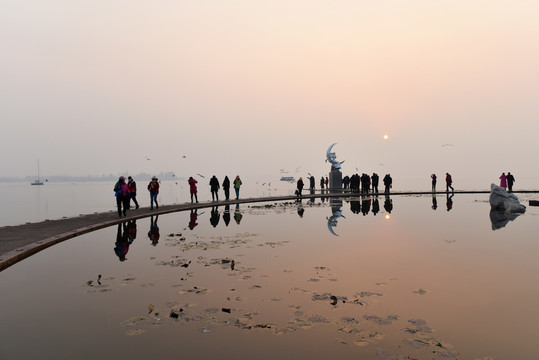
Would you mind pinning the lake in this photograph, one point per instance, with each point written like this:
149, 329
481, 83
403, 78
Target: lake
373, 278
26, 203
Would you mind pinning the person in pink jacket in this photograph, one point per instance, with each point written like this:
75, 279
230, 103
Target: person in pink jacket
193, 188
503, 181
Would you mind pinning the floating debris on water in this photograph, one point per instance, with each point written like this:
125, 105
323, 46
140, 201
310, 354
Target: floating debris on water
421, 291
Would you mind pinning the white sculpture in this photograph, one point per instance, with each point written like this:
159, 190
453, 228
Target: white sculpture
332, 158
501, 200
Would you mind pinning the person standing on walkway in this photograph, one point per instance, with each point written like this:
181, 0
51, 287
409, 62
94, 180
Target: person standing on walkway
375, 179
299, 187
132, 187
327, 182
193, 188
237, 184
433, 177
214, 187
322, 182
388, 182
503, 181
122, 196
311, 182
153, 188
448, 182
226, 187
510, 181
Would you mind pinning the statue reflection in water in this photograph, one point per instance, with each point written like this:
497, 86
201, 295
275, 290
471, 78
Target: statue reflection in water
122, 242
153, 234
336, 210
237, 214
226, 215
500, 218
449, 202
215, 216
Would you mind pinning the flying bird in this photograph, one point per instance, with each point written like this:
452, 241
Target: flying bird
147, 158
444, 145
202, 176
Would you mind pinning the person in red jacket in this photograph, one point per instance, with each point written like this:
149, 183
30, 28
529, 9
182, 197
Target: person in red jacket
153, 188
193, 188
132, 187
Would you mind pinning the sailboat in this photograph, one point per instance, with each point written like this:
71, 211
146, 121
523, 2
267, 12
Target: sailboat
38, 181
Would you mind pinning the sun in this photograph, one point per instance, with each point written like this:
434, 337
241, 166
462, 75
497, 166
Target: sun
386, 137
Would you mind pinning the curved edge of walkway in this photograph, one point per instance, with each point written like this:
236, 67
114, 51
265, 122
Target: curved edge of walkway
12, 257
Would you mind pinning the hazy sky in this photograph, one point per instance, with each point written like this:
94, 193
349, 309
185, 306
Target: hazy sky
250, 87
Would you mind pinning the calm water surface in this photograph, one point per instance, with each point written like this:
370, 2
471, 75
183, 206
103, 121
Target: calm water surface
409, 281
26, 203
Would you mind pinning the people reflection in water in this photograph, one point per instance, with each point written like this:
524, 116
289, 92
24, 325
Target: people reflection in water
365, 206
122, 242
237, 214
153, 234
449, 202
226, 215
311, 200
322, 198
388, 204
132, 230
301, 211
355, 206
434, 203
215, 216
193, 219
375, 206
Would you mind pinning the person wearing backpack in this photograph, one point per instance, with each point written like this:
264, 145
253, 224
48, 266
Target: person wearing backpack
122, 196
132, 187
153, 188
